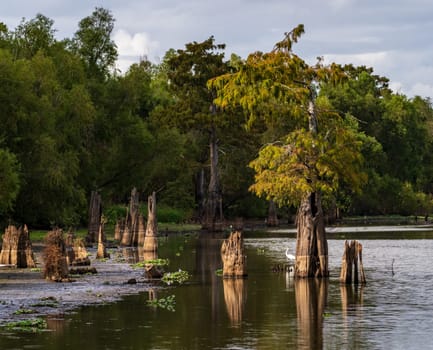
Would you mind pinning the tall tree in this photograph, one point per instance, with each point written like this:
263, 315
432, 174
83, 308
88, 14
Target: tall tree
309, 162
193, 111
93, 42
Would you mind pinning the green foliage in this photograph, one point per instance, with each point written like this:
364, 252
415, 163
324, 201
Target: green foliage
93, 43
24, 312
9, 180
172, 215
178, 277
167, 303
307, 159
157, 262
33, 325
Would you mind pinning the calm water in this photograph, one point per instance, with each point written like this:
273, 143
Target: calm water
268, 310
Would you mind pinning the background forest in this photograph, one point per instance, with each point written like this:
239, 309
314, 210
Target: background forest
72, 124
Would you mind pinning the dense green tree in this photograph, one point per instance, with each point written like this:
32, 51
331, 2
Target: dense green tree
92, 41
32, 36
9, 181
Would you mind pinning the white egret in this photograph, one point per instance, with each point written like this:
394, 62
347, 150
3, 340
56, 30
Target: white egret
289, 256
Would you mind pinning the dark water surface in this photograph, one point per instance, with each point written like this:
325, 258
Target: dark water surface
268, 310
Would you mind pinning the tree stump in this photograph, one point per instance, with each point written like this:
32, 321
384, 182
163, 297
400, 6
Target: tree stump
150, 239
130, 232
95, 211
81, 257
349, 267
152, 270
141, 230
233, 258
118, 229
17, 248
102, 251
56, 266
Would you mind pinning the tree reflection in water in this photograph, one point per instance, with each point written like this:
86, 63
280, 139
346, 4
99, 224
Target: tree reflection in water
235, 298
352, 300
311, 299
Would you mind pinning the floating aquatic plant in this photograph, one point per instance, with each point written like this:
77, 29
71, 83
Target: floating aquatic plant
175, 277
167, 303
33, 325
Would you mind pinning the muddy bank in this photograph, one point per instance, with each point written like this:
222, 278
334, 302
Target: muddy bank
24, 293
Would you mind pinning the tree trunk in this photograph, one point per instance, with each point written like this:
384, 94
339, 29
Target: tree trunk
200, 197
95, 211
213, 206
272, 220
311, 245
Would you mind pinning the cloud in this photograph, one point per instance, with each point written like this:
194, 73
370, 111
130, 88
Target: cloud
369, 59
133, 47
421, 89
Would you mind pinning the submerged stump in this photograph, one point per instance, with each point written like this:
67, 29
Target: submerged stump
351, 265
233, 258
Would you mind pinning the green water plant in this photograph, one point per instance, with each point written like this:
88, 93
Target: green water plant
33, 325
167, 303
24, 312
175, 277
157, 262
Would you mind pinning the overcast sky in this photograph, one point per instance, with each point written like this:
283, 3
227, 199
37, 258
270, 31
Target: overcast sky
395, 37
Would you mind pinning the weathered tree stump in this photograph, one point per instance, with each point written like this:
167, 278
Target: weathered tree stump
130, 232
150, 240
56, 266
141, 230
102, 251
69, 244
311, 243
95, 211
233, 258
118, 229
81, 257
17, 247
272, 219
349, 266
152, 270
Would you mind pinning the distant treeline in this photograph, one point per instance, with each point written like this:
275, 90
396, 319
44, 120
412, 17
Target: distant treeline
71, 124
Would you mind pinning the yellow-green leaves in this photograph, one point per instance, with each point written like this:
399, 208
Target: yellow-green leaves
306, 163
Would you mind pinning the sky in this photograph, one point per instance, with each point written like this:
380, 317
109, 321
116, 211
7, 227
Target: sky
394, 37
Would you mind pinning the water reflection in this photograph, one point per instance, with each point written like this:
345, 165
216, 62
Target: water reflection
208, 260
311, 298
235, 296
352, 299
